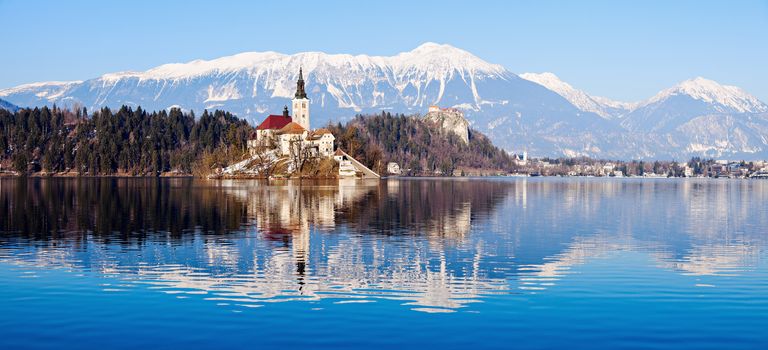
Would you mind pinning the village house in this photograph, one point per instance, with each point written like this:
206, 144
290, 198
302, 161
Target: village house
346, 169
393, 168
521, 159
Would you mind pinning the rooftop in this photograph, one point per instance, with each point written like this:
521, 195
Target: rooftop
319, 133
274, 122
292, 128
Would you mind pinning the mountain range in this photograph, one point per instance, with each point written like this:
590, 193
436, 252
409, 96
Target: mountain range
538, 113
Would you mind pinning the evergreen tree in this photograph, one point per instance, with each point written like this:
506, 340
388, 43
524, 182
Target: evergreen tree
131, 141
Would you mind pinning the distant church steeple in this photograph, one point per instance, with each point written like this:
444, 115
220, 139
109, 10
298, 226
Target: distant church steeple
300, 93
301, 103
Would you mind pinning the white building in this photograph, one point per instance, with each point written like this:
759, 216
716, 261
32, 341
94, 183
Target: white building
521, 159
346, 168
393, 168
301, 103
291, 138
687, 171
320, 142
608, 169
292, 134
265, 134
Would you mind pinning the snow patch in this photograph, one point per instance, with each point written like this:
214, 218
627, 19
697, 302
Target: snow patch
601, 106
730, 97
496, 122
223, 93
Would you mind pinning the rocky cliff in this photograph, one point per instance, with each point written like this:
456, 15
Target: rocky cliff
450, 119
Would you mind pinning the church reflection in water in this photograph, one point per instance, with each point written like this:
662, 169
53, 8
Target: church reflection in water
432, 245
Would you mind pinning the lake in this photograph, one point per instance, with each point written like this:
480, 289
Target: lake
407, 263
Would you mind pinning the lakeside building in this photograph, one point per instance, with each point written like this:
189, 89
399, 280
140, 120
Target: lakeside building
393, 168
521, 159
290, 135
346, 169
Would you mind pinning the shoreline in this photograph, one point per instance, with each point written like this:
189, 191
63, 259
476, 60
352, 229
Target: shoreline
5, 175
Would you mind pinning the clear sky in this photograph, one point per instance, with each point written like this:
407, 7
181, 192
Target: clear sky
626, 50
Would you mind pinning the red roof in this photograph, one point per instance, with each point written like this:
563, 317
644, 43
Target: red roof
274, 122
292, 128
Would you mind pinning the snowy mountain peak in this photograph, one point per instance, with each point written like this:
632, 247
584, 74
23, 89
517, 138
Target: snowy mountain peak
431, 59
41, 88
726, 98
439, 50
442, 58
548, 80
537, 112
602, 106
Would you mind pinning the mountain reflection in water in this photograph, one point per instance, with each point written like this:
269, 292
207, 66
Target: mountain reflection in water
435, 245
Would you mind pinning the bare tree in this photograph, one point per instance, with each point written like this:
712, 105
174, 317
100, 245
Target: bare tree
264, 154
299, 153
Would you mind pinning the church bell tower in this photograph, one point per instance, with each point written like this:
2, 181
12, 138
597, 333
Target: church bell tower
301, 103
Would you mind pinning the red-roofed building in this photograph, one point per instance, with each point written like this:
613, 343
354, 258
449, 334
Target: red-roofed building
291, 138
275, 122
292, 128
291, 135
266, 131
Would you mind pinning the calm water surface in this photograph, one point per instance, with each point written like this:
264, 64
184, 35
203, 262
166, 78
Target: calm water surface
470, 263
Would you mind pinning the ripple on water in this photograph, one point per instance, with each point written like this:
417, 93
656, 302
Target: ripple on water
536, 263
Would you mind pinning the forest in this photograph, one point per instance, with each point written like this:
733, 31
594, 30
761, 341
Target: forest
417, 145
130, 142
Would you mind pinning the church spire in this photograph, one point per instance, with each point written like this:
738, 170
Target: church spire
300, 93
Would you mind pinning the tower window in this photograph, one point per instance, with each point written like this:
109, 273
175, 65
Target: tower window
304, 105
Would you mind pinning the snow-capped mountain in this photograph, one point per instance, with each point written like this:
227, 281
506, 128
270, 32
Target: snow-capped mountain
514, 111
253, 83
696, 117
676, 106
540, 114
702, 117
602, 106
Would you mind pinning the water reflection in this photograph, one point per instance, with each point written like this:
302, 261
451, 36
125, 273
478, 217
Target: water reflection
435, 245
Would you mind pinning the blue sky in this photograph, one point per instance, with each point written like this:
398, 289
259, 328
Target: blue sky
626, 50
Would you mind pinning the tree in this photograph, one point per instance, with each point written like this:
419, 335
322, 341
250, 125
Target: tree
128, 140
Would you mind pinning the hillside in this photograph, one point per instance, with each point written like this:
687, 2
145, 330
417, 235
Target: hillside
124, 142
419, 145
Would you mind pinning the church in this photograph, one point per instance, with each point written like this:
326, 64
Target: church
291, 134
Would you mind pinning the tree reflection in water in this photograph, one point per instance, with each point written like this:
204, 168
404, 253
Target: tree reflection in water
436, 245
